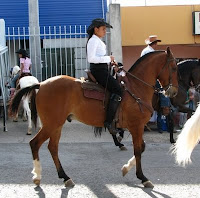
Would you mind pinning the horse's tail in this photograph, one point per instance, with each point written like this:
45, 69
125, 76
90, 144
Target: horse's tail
14, 104
188, 139
98, 131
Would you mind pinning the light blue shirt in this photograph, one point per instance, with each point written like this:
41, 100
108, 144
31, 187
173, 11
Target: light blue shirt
146, 50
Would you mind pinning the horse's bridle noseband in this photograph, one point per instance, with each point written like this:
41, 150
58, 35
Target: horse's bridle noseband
170, 73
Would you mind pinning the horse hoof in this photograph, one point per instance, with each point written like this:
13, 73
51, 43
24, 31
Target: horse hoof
15, 120
24, 120
36, 182
28, 133
172, 141
119, 138
123, 148
124, 171
69, 183
148, 184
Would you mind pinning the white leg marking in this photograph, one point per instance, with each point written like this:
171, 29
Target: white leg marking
28, 112
37, 169
39, 123
127, 167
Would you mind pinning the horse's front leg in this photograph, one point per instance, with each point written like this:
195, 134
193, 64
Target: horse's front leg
139, 147
170, 124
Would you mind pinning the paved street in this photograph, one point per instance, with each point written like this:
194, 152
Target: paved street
94, 164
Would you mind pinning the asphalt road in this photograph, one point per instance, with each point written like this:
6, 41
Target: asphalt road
94, 164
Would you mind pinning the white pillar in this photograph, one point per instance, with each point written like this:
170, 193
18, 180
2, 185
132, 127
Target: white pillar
35, 45
115, 33
2, 33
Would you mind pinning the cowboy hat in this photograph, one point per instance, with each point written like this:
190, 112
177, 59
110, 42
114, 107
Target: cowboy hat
152, 39
98, 23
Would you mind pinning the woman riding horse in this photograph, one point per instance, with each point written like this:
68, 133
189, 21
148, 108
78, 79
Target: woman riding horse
96, 50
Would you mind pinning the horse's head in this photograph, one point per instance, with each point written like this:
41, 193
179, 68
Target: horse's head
168, 75
196, 75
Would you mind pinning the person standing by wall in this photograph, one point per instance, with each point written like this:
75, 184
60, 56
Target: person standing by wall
152, 42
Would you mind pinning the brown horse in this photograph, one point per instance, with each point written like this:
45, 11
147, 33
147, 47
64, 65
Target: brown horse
65, 94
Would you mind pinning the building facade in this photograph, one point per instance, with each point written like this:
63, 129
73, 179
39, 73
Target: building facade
172, 24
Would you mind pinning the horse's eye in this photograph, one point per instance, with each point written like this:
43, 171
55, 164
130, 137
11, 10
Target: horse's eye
174, 69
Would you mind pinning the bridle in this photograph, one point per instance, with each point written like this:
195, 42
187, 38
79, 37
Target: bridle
167, 64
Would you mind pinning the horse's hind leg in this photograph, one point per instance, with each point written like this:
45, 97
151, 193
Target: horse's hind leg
27, 112
15, 119
35, 144
117, 143
53, 148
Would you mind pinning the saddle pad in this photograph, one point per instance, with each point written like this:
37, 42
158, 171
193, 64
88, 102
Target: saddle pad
94, 94
92, 86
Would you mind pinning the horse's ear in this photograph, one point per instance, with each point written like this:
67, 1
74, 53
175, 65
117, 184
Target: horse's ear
168, 51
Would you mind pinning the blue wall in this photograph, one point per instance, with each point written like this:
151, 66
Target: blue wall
15, 13
52, 12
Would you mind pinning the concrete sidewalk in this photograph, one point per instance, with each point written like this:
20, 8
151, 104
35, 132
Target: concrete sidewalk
73, 132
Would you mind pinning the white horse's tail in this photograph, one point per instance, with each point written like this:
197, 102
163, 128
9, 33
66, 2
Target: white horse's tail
188, 139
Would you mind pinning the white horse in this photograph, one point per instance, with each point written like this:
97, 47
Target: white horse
188, 139
24, 82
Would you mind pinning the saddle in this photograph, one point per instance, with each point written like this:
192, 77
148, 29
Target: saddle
91, 89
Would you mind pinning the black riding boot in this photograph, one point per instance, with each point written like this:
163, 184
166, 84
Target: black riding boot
110, 114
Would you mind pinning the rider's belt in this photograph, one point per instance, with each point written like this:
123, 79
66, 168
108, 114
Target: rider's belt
98, 66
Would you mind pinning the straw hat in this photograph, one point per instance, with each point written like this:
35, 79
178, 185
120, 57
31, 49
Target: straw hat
151, 39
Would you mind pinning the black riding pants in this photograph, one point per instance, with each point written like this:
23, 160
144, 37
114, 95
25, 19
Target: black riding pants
103, 77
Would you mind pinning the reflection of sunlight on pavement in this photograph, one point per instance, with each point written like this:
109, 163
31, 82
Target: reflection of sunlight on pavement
128, 189
159, 191
44, 191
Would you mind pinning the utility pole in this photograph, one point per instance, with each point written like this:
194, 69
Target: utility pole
34, 40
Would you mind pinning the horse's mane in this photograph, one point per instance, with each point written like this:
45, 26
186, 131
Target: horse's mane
186, 66
142, 58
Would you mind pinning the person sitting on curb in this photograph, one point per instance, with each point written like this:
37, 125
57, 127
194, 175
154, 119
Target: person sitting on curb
15, 73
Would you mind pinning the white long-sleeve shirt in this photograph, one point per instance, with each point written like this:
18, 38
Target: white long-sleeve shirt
147, 50
96, 51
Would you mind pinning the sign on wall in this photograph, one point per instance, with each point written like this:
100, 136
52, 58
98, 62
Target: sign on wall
196, 22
